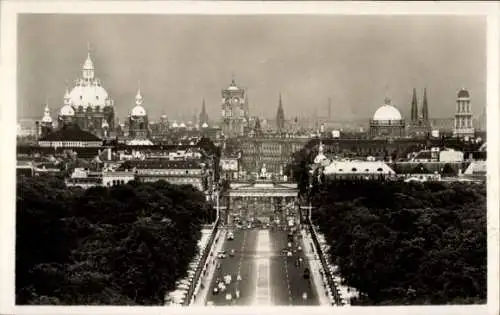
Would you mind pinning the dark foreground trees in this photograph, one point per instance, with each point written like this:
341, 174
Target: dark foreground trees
404, 243
124, 245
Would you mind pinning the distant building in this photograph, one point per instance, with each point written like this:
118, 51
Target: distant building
387, 122
463, 116
70, 137
235, 111
175, 172
419, 124
88, 103
358, 170
138, 120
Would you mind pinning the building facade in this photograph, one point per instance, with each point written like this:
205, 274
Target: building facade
463, 117
235, 111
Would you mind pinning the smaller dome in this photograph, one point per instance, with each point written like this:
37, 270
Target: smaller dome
138, 111
164, 116
175, 125
463, 93
67, 110
205, 125
46, 115
233, 86
182, 125
47, 119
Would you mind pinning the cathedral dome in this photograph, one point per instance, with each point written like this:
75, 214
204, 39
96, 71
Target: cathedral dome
88, 90
387, 112
205, 125
66, 111
175, 125
86, 94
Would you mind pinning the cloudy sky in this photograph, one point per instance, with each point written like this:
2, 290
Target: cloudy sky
179, 60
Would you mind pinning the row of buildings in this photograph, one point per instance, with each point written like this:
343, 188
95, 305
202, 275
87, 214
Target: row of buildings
89, 105
239, 145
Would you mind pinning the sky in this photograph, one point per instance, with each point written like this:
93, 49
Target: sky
178, 60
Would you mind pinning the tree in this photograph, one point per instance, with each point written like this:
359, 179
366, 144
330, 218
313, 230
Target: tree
122, 245
406, 243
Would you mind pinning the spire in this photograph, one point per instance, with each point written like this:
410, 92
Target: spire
88, 66
425, 107
280, 115
67, 98
414, 106
203, 115
138, 98
233, 81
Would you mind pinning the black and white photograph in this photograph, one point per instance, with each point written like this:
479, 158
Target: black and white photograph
174, 157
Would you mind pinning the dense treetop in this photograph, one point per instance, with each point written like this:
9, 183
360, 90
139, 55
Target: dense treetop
123, 245
406, 243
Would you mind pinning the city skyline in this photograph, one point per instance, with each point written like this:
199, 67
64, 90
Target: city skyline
350, 59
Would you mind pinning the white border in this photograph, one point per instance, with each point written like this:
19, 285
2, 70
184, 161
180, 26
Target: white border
9, 11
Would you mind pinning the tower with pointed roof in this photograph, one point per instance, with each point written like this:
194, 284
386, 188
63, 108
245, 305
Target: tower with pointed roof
280, 117
138, 119
419, 126
203, 118
234, 110
46, 123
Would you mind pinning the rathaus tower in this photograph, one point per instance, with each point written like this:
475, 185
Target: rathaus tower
235, 112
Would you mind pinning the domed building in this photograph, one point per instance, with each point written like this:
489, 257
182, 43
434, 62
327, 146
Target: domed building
138, 119
88, 103
387, 122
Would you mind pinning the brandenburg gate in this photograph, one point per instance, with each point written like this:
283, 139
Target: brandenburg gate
263, 197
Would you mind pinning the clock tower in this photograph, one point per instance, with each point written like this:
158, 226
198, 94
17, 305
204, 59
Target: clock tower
235, 112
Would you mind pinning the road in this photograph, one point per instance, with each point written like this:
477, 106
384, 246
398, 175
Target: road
268, 276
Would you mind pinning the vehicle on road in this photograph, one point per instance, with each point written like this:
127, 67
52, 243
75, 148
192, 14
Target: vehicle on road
216, 291
230, 236
307, 273
231, 253
227, 279
222, 255
229, 297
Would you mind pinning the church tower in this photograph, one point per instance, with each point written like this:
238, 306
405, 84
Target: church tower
280, 117
203, 119
138, 121
419, 124
463, 116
